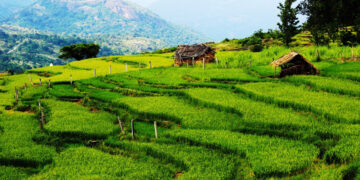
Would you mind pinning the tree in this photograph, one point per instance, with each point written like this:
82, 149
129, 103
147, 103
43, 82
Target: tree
79, 51
289, 22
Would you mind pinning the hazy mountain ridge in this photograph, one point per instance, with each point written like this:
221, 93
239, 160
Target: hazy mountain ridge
89, 17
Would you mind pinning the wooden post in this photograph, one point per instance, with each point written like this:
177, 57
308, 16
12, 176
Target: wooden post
132, 130
193, 61
217, 61
49, 85
126, 67
120, 124
94, 72
30, 79
40, 82
275, 72
25, 86
187, 64
39, 102
43, 120
16, 94
71, 80
226, 65
149, 64
318, 59
204, 64
155, 127
139, 65
110, 69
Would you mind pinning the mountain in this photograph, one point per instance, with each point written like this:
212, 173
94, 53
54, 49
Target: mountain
9, 7
103, 18
22, 48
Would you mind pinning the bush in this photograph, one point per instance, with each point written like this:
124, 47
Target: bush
257, 48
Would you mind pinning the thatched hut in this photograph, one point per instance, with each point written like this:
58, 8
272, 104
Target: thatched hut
193, 54
295, 63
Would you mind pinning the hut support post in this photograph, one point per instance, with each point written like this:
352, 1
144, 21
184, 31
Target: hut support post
155, 128
193, 61
132, 130
275, 72
187, 64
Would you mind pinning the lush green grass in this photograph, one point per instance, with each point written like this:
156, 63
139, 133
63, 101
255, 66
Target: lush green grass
345, 71
179, 111
191, 161
65, 92
346, 150
16, 145
13, 173
338, 108
74, 120
334, 85
268, 156
87, 163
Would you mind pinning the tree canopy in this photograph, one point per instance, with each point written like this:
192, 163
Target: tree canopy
289, 22
79, 51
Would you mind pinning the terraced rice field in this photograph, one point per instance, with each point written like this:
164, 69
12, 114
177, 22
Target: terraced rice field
217, 123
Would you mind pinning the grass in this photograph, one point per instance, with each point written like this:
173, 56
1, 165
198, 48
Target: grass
328, 84
8, 172
70, 119
16, 145
87, 163
65, 92
268, 156
346, 150
337, 108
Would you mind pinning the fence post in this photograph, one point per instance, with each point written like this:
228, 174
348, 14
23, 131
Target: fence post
155, 127
139, 65
217, 61
39, 103
110, 69
40, 82
132, 130
126, 67
226, 65
43, 120
120, 124
71, 80
16, 94
25, 86
49, 85
94, 72
149, 64
204, 64
30, 79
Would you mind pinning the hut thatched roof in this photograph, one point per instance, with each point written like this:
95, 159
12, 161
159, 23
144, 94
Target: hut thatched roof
288, 57
192, 51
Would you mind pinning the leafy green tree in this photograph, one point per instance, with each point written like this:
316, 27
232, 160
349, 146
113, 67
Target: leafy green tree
289, 21
79, 51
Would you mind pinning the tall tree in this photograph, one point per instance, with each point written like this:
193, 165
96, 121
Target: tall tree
289, 21
79, 51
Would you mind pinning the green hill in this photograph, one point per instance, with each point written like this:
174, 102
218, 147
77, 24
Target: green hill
223, 123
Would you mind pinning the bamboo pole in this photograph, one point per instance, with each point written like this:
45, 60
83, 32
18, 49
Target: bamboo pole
155, 128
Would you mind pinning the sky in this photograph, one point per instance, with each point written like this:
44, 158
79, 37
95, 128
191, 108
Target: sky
218, 19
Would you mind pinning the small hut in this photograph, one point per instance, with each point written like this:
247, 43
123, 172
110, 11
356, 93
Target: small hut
193, 54
295, 63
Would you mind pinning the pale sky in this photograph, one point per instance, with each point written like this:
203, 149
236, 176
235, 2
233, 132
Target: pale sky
218, 19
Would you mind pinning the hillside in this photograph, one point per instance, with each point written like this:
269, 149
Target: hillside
9, 7
230, 123
100, 18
